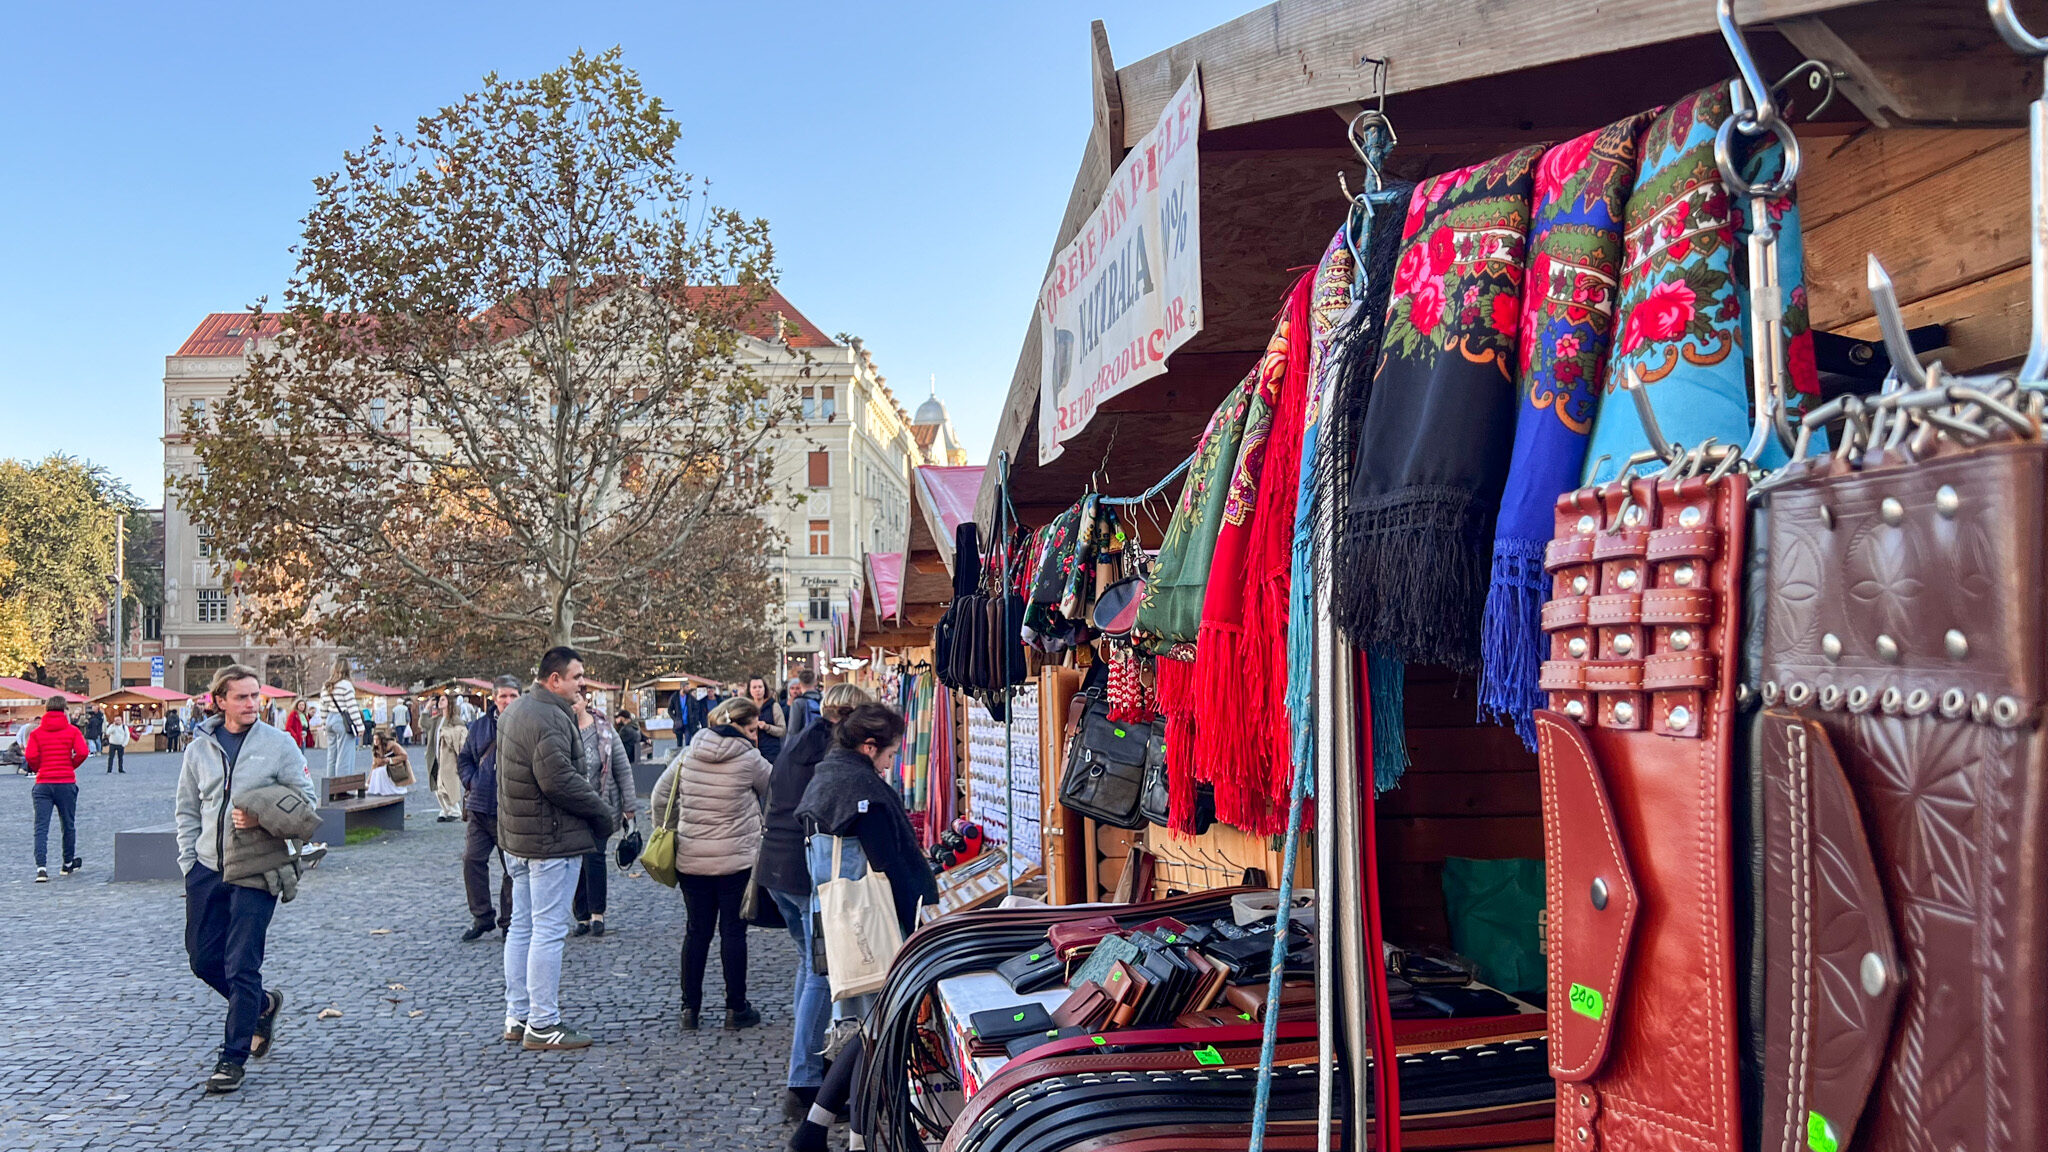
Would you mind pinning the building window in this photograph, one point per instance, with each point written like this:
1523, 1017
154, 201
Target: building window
199, 672
153, 622
195, 411
213, 606
821, 402
821, 537
821, 606
379, 413
821, 470
205, 536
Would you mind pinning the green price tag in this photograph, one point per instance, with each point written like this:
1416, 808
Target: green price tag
1207, 1054
1019, 1017
1034, 955
1588, 1002
1821, 1135
1172, 939
1098, 1039
1244, 1015
1119, 733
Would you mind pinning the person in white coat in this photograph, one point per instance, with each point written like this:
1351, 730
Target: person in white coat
712, 795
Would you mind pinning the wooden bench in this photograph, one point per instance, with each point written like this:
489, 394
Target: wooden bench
346, 805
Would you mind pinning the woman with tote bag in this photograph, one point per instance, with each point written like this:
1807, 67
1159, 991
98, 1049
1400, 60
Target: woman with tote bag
847, 806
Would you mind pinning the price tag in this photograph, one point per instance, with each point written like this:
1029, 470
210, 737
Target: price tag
1821, 1135
1588, 1002
1207, 1054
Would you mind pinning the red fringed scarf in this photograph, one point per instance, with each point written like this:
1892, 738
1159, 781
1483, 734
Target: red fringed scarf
1241, 652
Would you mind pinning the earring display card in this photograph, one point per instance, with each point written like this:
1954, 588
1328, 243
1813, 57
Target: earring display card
987, 801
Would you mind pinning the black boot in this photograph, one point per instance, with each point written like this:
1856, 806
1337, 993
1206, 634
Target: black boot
690, 1021
796, 1102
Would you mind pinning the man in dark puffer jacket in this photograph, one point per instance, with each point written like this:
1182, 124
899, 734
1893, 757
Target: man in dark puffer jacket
549, 816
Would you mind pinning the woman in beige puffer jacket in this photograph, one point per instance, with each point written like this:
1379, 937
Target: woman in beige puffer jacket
712, 795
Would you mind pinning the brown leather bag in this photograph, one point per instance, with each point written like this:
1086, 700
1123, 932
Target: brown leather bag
1635, 762
1905, 815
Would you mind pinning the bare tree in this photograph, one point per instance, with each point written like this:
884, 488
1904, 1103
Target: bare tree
515, 393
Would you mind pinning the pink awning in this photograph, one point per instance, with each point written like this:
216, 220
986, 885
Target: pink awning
140, 693
372, 688
272, 693
885, 576
15, 691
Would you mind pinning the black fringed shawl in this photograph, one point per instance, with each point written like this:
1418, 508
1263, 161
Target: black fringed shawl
1413, 566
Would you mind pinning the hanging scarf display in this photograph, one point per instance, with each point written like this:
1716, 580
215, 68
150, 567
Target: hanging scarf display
1331, 297
1241, 649
1432, 458
1582, 189
1170, 614
1681, 328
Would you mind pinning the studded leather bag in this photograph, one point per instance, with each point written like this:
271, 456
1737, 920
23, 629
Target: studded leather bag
1905, 812
1635, 759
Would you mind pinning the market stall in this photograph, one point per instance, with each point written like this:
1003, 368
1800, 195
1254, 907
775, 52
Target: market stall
1390, 543
142, 708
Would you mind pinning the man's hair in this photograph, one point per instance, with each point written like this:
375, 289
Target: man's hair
54, 704
556, 660
511, 682
227, 676
808, 677
842, 698
877, 722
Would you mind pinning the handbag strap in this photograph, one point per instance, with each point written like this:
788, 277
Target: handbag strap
668, 820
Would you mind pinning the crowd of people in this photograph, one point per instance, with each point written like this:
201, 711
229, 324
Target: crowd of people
759, 782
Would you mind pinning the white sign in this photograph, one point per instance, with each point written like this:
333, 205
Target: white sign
156, 672
1127, 290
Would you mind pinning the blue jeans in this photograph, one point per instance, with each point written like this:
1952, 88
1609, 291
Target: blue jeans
225, 926
542, 891
64, 798
811, 1002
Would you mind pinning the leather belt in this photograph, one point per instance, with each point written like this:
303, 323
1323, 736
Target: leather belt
1635, 759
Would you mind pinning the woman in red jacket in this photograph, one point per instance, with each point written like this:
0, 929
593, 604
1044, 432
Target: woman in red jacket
55, 749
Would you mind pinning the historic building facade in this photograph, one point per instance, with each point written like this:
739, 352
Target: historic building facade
843, 472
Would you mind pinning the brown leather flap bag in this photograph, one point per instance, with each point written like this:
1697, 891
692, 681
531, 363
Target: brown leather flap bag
1832, 966
1591, 900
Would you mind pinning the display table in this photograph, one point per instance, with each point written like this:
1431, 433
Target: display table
960, 997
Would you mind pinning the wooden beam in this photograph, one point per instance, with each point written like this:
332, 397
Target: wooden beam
1932, 61
1988, 321
1107, 136
1302, 55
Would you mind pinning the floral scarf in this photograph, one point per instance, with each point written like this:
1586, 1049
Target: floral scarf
1682, 308
1582, 189
1412, 573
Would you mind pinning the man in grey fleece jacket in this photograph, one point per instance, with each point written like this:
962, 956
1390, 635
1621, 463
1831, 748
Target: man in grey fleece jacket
231, 756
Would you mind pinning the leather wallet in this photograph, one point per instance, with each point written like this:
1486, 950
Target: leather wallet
1086, 1007
1074, 935
1023, 1044
1034, 970
1108, 952
1635, 759
1000, 1025
1904, 818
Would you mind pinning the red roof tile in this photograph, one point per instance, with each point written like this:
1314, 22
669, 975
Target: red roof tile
223, 333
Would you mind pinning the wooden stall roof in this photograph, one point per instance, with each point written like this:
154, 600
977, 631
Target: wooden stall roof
18, 693
1271, 149
372, 688
141, 694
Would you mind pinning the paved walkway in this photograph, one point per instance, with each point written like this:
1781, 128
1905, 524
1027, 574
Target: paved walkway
108, 1035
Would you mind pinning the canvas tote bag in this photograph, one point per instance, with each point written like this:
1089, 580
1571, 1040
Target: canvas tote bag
860, 929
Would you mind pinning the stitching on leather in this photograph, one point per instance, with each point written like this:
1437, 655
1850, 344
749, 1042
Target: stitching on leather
1621, 941
1553, 865
1801, 1041
1724, 504
1629, 1108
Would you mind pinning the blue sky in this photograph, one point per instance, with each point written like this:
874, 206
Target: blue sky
913, 160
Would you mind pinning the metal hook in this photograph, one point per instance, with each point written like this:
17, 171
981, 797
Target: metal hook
2016, 35
1892, 323
1731, 32
1820, 77
1633, 385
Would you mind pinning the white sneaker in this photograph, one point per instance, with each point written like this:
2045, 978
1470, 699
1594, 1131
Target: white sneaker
42, 875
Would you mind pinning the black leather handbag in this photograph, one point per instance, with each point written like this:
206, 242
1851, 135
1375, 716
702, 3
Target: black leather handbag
1106, 766
1153, 805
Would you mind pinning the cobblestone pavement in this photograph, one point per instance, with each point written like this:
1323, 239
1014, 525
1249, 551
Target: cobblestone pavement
108, 1034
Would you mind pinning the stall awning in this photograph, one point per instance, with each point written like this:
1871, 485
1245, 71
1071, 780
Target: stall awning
458, 685
885, 584
599, 685
141, 694
271, 692
945, 500
372, 688
18, 693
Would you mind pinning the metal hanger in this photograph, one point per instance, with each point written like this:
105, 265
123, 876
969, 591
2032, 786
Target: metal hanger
1372, 136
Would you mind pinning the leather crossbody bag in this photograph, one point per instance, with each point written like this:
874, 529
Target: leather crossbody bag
1107, 763
1635, 760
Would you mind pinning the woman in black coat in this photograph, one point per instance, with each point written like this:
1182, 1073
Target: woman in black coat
786, 876
848, 798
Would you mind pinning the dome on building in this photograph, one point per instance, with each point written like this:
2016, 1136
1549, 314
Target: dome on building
932, 411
